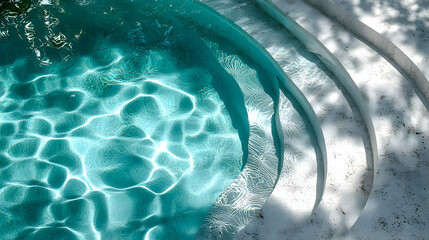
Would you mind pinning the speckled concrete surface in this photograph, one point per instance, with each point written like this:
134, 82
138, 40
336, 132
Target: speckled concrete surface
398, 206
404, 22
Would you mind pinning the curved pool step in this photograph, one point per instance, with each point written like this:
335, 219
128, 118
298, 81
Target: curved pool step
401, 126
346, 213
347, 142
386, 47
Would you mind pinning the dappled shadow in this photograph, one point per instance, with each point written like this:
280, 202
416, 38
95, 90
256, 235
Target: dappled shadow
401, 121
345, 43
399, 22
413, 18
397, 206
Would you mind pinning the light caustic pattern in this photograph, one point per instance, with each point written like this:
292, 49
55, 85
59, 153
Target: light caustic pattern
242, 199
112, 148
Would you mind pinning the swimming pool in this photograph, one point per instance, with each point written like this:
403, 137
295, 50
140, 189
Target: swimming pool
134, 120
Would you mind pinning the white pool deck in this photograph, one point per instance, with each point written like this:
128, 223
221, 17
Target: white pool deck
394, 204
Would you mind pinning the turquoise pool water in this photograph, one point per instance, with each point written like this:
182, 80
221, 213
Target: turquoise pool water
118, 120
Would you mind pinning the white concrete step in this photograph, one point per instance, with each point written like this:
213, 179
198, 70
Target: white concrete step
398, 204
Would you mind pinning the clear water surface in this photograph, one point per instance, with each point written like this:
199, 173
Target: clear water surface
116, 120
